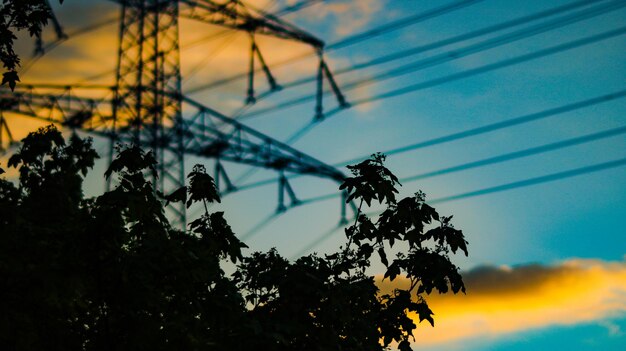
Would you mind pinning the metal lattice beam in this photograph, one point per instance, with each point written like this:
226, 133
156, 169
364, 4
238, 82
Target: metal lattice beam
204, 133
145, 106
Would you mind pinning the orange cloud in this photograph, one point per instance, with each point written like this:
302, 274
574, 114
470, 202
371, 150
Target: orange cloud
503, 300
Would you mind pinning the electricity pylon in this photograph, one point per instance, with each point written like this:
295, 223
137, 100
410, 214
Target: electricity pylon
147, 107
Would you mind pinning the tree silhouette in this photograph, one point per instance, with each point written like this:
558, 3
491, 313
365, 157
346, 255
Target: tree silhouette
29, 15
111, 273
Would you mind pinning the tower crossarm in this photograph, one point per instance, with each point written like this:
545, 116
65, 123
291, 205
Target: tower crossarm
236, 15
61, 105
206, 132
202, 132
145, 105
212, 134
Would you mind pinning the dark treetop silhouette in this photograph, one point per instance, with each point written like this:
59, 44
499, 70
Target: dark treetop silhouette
111, 273
30, 15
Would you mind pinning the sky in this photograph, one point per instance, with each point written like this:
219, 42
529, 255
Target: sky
547, 262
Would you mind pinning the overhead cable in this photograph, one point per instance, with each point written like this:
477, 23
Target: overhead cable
351, 40
501, 158
495, 189
521, 153
297, 7
487, 68
420, 49
457, 54
72, 34
498, 125
472, 132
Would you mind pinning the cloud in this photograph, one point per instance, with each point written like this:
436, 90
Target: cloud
504, 300
350, 16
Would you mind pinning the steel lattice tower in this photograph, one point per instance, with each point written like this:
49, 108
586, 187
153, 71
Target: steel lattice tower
148, 108
147, 102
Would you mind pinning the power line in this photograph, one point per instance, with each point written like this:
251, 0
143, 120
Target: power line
191, 45
534, 181
476, 131
399, 24
351, 40
78, 32
457, 54
258, 227
490, 43
501, 158
297, 7
499, 188
490, 67
499, 125
493, 160
205, 39
452, 55
208, 58
521, 153
461, 75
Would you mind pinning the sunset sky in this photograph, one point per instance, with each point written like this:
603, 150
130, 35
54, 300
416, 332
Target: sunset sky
542, 88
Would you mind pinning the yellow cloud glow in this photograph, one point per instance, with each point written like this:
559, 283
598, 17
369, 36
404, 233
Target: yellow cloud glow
502, 300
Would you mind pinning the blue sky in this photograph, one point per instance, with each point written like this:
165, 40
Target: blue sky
574, 221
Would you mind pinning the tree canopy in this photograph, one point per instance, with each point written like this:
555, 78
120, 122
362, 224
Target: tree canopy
111, 273
29, 15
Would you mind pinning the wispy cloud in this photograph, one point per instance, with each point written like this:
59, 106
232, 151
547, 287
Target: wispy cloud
504, 300
346, 17
352, 15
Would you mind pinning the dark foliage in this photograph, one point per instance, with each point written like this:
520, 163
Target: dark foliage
110, 273
18, 15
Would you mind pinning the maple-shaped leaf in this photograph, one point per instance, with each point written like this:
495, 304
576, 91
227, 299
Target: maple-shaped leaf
430, 212
14, 160
134, 160
36, 145
392, 271
201, 186
424, 312
11, 78
371, 181
446, 233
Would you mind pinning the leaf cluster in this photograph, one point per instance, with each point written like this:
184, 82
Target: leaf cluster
19, 15
107, 273
111, 273
330, 302
426, 240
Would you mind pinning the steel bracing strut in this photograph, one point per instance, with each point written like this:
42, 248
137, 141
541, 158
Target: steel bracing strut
147, 107
204, 133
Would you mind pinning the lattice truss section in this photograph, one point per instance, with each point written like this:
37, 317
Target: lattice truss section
146, 104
